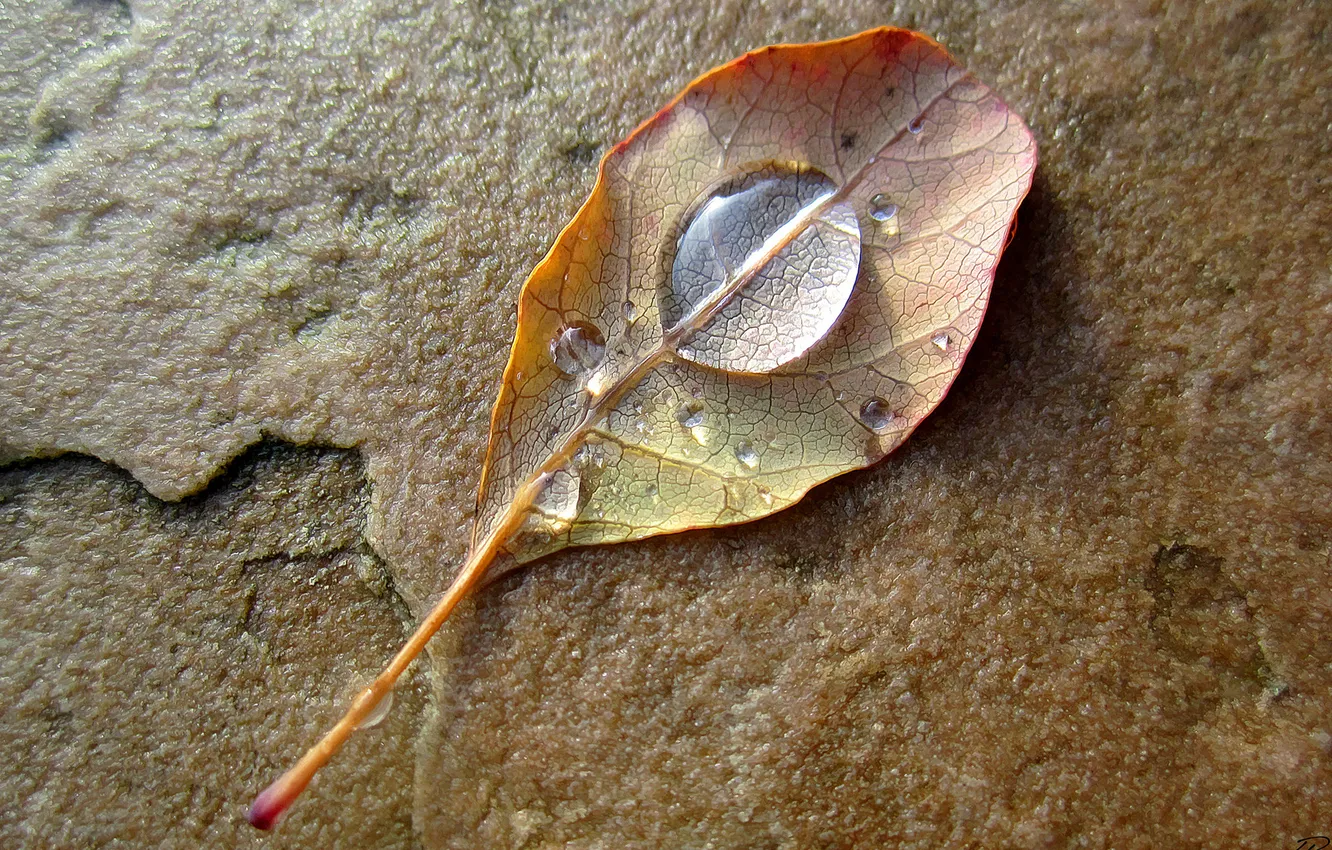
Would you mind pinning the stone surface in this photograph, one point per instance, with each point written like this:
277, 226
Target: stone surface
1087, 604
163, 660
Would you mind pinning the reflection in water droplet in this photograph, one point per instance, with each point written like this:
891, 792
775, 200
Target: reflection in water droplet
917, 124
792, 245
876, 414
631, 312
578, 349
744, 452
378, 713
941, 341
690, 414
882, 209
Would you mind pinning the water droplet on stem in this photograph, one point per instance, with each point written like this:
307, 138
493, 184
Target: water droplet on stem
378, 713
785, 246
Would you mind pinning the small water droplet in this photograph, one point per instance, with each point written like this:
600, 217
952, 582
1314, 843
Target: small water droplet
378, 713
821, 377
690, 414
744, 452
650, 491
917, 124
589, 456
578, 349
941, 341
765, 494
557, 499
876, 414
882, 208
631, 312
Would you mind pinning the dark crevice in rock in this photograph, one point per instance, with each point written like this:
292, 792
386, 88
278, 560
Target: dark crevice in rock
1202, 618
581, 153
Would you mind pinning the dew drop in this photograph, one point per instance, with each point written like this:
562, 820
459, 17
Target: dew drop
882, 208
876, 414
589, 456
941, 341
578, 349
557, 500
650, 491
917, 124
690, 414
785, 235
744, 452
631, 312
765, 494
378, 713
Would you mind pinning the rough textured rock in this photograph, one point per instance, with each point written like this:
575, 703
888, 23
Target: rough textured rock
1086, 605
162, 660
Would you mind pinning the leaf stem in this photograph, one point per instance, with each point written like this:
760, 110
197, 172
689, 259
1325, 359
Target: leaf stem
274, 800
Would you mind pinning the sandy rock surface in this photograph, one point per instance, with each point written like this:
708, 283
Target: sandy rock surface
1086, 605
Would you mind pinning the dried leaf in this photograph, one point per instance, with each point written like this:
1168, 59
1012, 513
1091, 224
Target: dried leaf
774, 280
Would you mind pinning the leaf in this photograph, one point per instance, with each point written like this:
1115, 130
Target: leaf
774, 280
878, 171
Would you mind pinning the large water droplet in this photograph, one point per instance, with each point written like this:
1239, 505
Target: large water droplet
578, 349
378, 713
876, 414
690, 414
744, 452
795, 251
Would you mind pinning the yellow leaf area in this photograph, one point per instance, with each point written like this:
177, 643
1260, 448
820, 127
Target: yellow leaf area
621, 431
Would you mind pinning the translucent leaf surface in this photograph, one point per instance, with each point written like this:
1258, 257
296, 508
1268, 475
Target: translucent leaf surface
774, 280
782, 272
